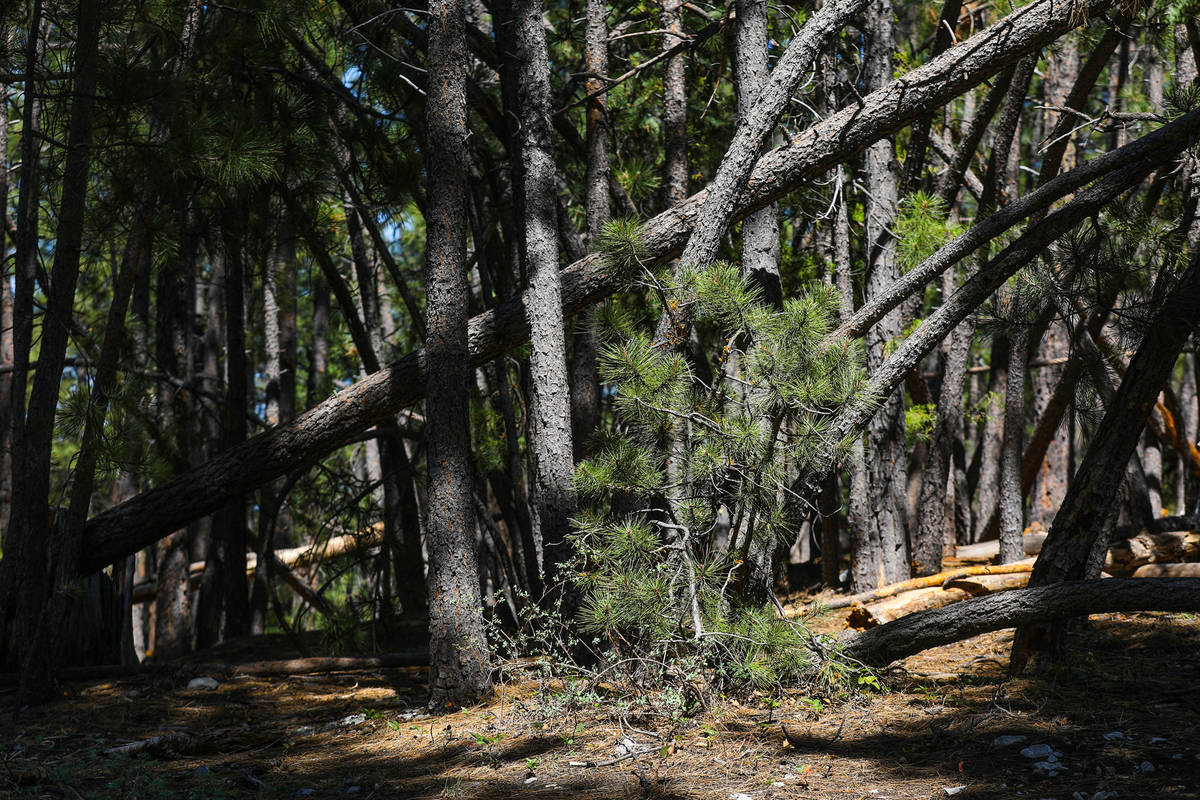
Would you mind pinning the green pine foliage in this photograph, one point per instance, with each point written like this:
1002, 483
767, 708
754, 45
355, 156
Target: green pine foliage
697, 475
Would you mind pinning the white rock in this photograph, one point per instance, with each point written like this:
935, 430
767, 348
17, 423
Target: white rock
1157, 739
1006, 741
531, 780
1114, 736
1146, 767
353, 719
1178, 756
950, 791
740, 796
1038, 751
203, 683
777, 783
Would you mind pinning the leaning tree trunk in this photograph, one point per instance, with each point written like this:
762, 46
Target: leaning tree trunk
143, 519
1070, 551
459, 670
1012, 496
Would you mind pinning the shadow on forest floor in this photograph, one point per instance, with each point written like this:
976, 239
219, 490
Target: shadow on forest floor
364, 734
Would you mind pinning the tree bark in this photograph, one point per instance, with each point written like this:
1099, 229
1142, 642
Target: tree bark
886, 463
1012, 496
550, 410
675, 161
880, 646
459, 671
148, 516
30, 529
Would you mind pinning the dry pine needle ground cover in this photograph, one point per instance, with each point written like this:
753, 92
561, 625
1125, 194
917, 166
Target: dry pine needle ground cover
1121, 716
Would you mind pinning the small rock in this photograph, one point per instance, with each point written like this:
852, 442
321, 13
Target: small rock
202, 770
1157, 739
530, 780
1047, 768
353, 790
353, 719
205, 682
1038, 751
777, 783
1114, 736
951, 791
305, 792
1008, 740
1146, 767
740, 796
788, 776
1178, 757
1104, 794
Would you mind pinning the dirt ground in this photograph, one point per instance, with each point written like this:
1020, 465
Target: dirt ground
1121, 717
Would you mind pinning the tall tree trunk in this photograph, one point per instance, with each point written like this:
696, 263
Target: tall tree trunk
675, 161
1188, 419
550, 411
886, 462
7, 353
1050, 485
585, 383
1073, 548
935, 514
30, 532
459, 671
1012, 497
760, 230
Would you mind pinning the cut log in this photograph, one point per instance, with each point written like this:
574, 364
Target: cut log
1127, 556
884, 644
862, 598
954, 591
986, 551
142, 520
1168, 571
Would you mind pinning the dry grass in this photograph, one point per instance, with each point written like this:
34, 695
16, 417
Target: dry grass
931, 730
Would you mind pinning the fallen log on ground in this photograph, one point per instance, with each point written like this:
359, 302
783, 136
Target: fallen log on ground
290, 558
143, 519
952, 591
884, 644
1127, 556
304, 666
1168, 571
985, 551
862, 598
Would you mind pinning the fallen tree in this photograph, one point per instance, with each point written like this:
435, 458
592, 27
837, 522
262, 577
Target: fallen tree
1128, 556
289, 559
862, 598
142, 520
954, 590
884, 644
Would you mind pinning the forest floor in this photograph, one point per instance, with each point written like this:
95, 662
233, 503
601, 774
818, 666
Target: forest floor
1122, 718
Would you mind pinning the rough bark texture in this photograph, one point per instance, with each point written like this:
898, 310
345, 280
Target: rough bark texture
885, 560
585, 383
935, 515
1050, 484
881, 646
459, 662
145, 518
760, 230
1012, 498
674, 106
1096, 487
550, 399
